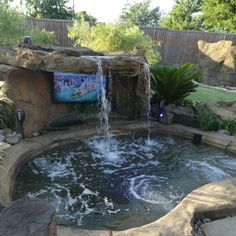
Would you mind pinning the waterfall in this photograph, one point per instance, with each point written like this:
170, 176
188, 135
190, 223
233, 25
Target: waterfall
147, 77
104, 103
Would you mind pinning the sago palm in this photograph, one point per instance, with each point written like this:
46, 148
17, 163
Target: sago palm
173, 83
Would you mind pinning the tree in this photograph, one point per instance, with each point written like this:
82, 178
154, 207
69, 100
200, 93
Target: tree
83, 15
219, 15
184, 15
139, 14
52, 9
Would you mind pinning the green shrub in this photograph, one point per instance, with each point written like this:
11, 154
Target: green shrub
6, 113
11, 25
42, 37
113, 37
229, 125
13, 29
173, 83
207, 119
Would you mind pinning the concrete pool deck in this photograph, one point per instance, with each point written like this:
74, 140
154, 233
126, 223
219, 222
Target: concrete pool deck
215, 200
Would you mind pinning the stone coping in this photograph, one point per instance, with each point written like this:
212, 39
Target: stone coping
211, 200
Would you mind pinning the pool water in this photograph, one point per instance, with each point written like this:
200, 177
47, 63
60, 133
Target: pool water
120, 182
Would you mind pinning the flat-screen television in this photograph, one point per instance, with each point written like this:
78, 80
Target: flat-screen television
69, 87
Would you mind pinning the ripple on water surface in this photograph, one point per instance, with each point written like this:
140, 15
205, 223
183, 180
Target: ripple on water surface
120, 182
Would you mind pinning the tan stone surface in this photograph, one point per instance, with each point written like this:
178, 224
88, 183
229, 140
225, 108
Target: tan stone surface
69, 231
226, 110
68, 60
31, 91
217, 62
221, 227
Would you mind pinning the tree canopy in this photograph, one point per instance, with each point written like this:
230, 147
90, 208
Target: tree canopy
184, 15
140, 14
83, 15
219, 15
206, 15
52, 9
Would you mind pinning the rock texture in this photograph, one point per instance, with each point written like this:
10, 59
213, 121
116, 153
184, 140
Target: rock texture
218, 63
226, 110
31, 91
28, 217
28, 75
183, 115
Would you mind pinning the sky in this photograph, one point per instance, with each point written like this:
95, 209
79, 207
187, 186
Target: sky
109, 10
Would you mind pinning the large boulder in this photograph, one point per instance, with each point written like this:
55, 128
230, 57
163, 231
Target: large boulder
226, 110
184, 115
27, 217
218, 63
68, 60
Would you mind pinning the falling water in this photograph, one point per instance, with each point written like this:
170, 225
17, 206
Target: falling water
148, 93
107, 145
104, 103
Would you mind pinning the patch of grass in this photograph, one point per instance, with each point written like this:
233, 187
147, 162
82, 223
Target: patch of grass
211, 94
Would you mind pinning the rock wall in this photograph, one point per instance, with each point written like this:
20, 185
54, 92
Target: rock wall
28, 74
218, 63
31, 91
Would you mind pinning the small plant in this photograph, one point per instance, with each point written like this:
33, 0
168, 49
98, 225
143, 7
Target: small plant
208, 120
229, 125
173, 83
6, 112
189, 102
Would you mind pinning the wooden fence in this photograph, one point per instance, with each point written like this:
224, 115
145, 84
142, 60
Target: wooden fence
177, 46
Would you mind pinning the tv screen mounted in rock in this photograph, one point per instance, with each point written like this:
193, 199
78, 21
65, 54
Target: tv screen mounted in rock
69, 87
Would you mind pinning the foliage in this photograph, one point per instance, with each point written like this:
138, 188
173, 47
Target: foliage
219, 15
229, 125
51, 9
84, 16
113, 37
189, 102
6, 113
12, 23
139, 14
207, 119
207, 15
173, 84
42, 37
184, 16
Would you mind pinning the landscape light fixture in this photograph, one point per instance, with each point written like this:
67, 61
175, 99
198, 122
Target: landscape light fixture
27, 40
20, 117
161, 110
197, 138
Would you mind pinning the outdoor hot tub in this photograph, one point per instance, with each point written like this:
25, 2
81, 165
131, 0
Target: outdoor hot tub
120, 182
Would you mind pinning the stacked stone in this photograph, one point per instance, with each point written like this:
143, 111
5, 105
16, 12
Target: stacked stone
9, 138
